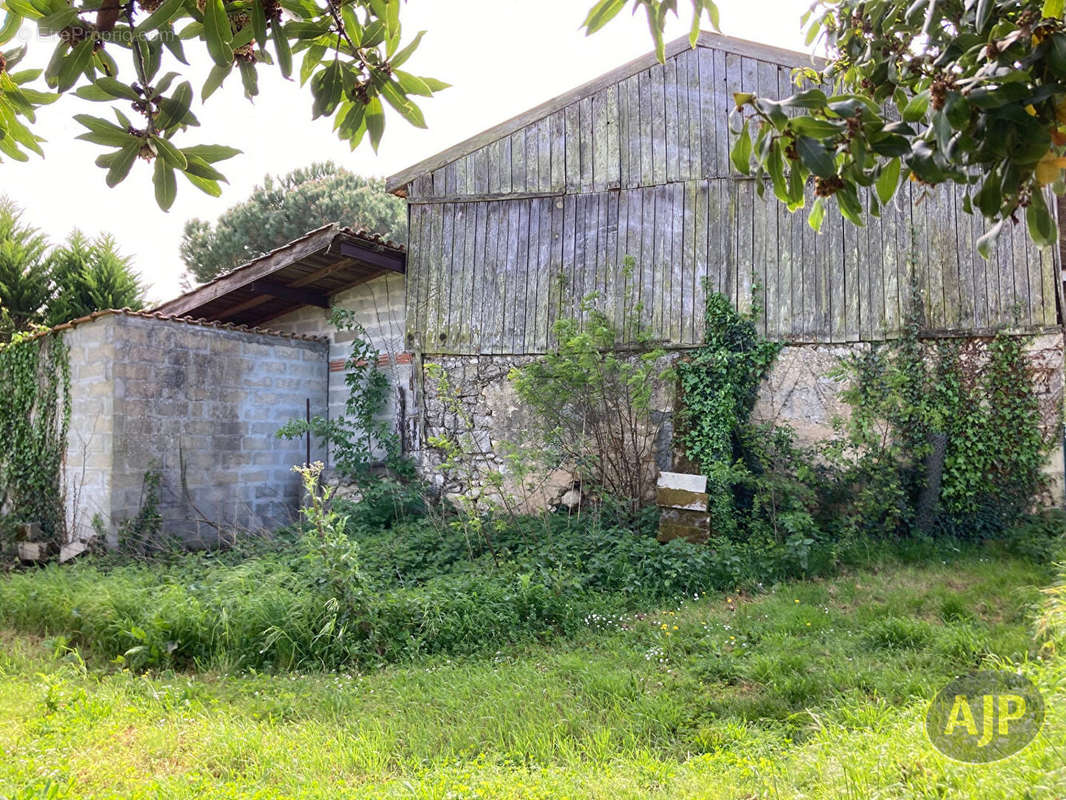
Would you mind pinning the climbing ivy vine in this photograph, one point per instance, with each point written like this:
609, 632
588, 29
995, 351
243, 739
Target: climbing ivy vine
34, 417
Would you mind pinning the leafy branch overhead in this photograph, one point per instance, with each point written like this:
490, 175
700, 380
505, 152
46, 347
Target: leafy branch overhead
351, 53
970, 92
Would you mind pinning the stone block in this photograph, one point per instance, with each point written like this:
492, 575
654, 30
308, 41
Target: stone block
693, 526
33, 551
681, 499
71, 550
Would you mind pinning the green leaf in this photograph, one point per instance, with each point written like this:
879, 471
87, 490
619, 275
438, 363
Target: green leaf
169, 153
412, 84
374, 116
218, 33
281, 47
200, 168
812, 98
121, 164
166, 185
1052, 9
401, 57
103, 132
602, 13
916, 107
312, 58
174, 110
12, 23
1042, 227
259, 23
205, 185
849, 204
116, 88
326, 89
211, 152
888, 180
407, 109
816, 128
815, 157
75, 64
250, 79
167, 10
741, 152
817, 214
214, 79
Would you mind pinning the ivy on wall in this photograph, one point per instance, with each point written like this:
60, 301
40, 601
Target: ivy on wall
976, 399
34, 417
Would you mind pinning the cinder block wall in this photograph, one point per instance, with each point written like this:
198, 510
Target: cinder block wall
201, 405
379, 307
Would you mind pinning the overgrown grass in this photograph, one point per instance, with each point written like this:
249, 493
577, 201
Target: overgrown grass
813, 689
422, 590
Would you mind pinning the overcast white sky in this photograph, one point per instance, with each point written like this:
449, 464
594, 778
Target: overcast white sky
501, 56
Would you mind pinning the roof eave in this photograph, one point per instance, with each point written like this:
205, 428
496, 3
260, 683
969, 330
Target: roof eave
397, 183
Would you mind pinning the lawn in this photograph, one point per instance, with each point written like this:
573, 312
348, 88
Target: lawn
802, 689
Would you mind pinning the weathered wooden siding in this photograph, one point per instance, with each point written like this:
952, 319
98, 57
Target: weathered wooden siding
492, 277
509, 237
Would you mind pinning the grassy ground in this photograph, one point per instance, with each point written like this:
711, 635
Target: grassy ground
814, 689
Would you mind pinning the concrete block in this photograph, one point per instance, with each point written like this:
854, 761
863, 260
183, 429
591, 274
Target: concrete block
29, 531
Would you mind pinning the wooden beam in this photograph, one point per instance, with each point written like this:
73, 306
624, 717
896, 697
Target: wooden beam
255, 270
397, 183
304, 297
394, 262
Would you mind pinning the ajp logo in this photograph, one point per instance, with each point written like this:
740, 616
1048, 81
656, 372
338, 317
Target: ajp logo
985, 716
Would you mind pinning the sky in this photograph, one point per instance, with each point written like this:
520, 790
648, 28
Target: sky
502, 57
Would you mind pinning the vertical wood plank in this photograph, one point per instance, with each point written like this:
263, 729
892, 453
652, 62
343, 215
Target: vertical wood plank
518, 161
719, 112
532, 158
586, 139
765, 259
673, 145
494, 158
614, 139
572, 138
734, 82
657, 113
613, 278
720, 233
415, 268
481, 171
1023, 314
557, 124
674, 314
854, 271
443, 305
644, 105
687, 310
707, 115
544, 154
518, 256
684, 115
701, 265
600, 148
556, 267
648, 255
745, 220
692, 105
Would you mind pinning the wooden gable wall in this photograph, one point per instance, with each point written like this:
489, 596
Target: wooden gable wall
510, 236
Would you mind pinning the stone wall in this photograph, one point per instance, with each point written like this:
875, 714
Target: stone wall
201, 406
798, 393
379, 307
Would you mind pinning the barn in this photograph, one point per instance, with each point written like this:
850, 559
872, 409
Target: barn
622, 188
510, 229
